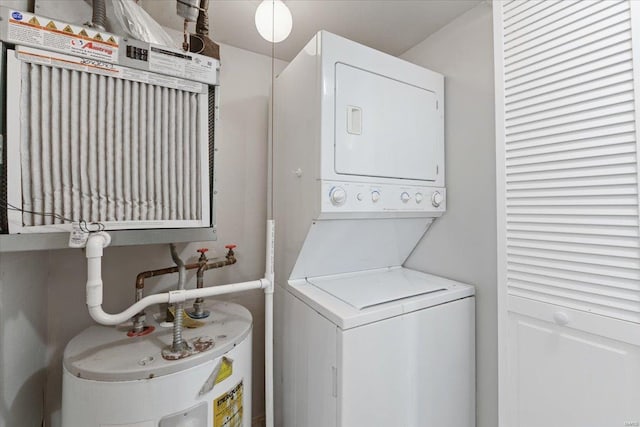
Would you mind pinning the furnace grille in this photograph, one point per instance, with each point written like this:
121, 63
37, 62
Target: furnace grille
106, 149
571, 161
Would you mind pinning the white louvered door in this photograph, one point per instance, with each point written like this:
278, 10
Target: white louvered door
567, 101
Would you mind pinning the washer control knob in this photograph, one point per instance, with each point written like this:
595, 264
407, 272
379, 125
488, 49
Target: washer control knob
338, 196
436, 198
405, 197
359, 196
375, 196
419, 197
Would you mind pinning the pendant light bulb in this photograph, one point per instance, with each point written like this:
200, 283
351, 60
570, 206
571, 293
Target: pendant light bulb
273, 20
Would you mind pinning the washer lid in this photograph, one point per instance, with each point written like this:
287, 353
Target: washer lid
382, 293
368, 290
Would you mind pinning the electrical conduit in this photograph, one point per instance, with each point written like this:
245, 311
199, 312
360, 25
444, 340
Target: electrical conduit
99, 15
178, 343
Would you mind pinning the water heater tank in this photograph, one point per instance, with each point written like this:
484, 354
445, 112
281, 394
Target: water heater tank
111, 379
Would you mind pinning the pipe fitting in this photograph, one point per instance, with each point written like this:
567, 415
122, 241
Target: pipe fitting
266, 285
177, 296
96, 243
203, 264
94, 287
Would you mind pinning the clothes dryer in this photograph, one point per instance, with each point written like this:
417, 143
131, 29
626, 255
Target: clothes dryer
359, 176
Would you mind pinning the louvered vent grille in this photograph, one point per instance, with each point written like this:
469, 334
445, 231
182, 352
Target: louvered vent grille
101, 148
571, 166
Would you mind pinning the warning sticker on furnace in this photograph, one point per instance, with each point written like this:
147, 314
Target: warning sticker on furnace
227, 409
28, 30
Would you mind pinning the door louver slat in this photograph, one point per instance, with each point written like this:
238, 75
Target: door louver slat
571, 177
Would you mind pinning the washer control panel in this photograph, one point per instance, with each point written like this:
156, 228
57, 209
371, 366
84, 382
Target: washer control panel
367, 197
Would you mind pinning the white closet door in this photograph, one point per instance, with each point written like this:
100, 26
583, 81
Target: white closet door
567, 80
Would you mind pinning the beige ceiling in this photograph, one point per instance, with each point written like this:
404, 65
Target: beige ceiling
392, 26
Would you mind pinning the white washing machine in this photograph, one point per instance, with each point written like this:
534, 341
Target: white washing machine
387, 347
360, 340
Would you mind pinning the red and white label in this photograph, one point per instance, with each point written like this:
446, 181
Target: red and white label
32, 30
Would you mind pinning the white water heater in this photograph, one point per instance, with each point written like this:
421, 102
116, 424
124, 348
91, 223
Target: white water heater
111, 379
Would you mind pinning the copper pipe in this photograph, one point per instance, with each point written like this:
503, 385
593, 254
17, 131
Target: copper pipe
162, 271
200, 273
185, 42
198, 311
202, 265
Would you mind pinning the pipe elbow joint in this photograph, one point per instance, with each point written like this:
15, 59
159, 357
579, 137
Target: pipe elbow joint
98, 315
96, 243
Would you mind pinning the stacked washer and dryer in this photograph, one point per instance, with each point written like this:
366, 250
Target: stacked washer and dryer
359, 178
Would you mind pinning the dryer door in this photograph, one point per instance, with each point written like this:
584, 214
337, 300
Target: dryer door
384, 127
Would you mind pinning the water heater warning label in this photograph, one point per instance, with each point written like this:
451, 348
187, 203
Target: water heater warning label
227, 409
28, 29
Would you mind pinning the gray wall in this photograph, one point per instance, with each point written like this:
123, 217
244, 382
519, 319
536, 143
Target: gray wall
462, 244
23, 338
